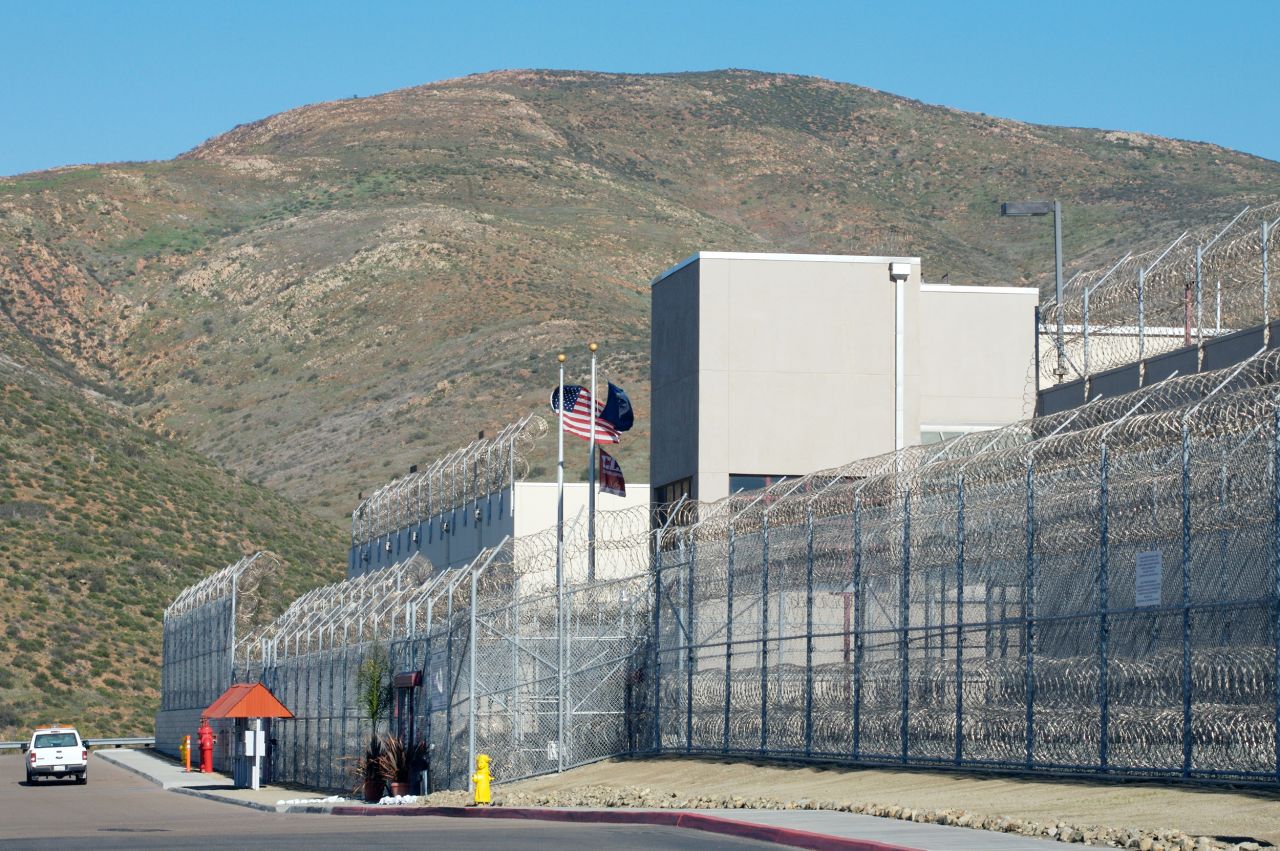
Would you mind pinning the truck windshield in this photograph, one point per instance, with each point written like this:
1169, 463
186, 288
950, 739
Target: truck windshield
55, 740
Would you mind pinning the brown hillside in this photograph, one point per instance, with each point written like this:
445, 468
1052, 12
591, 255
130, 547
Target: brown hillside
323, 297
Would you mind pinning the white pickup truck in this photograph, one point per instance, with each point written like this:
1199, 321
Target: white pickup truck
57, 752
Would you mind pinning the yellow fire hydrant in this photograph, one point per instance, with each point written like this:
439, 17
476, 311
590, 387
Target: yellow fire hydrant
481, 779
184, 750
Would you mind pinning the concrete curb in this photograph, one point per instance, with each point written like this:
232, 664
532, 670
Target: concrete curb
214, 796
667, 818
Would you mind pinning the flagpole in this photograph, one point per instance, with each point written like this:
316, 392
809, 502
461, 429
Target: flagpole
591, 487
560, 479
560, 574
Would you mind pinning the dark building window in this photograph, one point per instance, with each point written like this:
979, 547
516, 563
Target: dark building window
744, 482
666, 496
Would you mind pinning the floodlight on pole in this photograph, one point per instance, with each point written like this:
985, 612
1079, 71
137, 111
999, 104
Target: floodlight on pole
1047, 208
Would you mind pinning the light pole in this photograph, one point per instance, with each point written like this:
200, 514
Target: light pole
1045, 208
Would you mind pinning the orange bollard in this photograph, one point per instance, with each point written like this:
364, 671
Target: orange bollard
185, 749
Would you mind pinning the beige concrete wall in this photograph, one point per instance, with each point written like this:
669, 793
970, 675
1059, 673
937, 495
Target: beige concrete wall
536, 512
795, 364
1108, 348
788, 363
976, 355
536, 502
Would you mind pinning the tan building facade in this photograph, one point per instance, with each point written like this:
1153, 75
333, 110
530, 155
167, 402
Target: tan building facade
770, 365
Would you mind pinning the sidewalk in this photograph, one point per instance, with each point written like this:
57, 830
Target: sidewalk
797, 828
169, 775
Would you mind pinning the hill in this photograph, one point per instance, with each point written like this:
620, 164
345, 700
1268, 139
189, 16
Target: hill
101, 523
322, 297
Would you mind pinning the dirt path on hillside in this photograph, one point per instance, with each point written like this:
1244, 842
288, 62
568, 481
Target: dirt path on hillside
1148, 807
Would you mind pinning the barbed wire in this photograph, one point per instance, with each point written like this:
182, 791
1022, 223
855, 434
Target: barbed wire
484, 466
243, 580
1207, 282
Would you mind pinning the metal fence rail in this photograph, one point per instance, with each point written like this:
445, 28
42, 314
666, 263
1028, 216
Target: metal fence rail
126, 742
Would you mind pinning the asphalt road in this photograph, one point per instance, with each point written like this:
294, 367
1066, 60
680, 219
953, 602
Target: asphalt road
117, 809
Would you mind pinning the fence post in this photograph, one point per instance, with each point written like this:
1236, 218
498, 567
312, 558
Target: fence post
346, 675
857, 626
450, 682
1142, 313
728, 640
1103, 626
1266, 284
429, 720
566, 701
672, 514
471, 686
959, 618
517, 656
231, 635
657, 641
764, 633
1199, 294
1186, 599
1275, 566
1085, 323
1029, 611
689, 649
309, 725
904, 617
808, 641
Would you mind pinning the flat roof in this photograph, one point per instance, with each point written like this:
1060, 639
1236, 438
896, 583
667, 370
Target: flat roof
805, 258
976, 288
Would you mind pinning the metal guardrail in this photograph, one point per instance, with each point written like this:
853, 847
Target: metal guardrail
134, 742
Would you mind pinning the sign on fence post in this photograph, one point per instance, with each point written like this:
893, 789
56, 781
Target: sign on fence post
1148, 579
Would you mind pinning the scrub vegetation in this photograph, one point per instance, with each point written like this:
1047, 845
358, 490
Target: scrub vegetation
319, 299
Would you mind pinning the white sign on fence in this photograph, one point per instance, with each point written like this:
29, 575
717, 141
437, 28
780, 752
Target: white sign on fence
1148, 579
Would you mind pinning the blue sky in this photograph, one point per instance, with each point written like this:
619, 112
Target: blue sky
99, 81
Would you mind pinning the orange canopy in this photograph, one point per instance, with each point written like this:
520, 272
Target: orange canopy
247, 700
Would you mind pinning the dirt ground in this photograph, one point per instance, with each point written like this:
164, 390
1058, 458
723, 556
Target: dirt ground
1234, 815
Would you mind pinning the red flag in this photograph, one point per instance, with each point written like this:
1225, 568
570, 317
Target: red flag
577, 414
611, 480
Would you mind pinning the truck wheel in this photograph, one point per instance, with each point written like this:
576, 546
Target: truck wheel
82, 779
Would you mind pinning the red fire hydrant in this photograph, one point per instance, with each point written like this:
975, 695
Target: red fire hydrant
206, 746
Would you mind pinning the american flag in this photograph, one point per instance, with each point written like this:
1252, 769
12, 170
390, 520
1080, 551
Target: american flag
577, 416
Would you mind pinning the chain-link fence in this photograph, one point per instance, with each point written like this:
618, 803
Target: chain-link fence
1208, 282
548, 686
201, 627
1094, 591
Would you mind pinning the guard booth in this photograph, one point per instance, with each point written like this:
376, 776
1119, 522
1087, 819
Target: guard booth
249, 705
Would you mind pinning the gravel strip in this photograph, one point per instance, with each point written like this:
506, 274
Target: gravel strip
603, 797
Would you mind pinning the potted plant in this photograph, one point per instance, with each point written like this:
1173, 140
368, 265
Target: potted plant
368, 772
400, 761
375, 697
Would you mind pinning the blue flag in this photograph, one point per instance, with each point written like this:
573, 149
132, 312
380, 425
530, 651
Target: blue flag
617, 409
